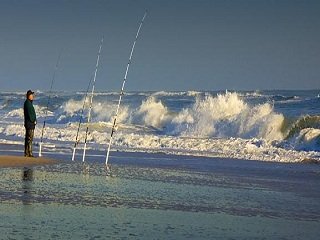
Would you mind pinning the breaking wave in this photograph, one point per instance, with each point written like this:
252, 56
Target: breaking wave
305, 122
18, 113
186, 93
304, 133
207, 123
307, 139
225, 115
71, 111
229, 116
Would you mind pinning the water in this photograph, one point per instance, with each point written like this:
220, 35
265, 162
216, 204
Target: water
157, 196
260, 125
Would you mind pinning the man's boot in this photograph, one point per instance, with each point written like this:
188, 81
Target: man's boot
26, 149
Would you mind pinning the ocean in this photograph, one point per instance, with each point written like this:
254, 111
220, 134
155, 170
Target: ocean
282, 126
184, 165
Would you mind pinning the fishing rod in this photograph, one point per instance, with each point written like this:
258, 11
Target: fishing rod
90, 105
122, 89
76, 142
49, 98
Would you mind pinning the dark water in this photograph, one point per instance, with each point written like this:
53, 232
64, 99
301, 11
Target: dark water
158, 196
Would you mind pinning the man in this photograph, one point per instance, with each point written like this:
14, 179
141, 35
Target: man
30, 121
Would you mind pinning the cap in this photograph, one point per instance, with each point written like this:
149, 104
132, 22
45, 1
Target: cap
29, 92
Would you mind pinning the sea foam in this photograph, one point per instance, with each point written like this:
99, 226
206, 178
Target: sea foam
225, 115
223, 125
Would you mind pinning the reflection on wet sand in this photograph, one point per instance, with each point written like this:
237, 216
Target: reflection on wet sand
27, 181
70, 201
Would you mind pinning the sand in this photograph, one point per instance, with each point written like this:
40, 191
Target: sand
162, 195
19, 161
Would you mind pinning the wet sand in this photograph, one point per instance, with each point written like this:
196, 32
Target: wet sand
157, 196
20, 161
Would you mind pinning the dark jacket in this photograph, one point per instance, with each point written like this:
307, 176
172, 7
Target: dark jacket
29, 115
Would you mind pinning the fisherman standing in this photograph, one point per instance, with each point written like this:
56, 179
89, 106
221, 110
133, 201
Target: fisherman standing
30, 121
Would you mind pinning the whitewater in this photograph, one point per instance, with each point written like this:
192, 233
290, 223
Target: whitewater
281, 126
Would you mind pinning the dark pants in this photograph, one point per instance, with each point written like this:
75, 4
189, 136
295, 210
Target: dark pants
28, 142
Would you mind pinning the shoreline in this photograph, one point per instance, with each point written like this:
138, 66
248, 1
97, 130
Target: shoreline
14, 150
21, 161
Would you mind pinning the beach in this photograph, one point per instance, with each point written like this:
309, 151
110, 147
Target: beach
17, 161
160, 120
159, 196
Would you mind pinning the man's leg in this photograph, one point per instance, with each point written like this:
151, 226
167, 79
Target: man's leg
26, 154
29, 144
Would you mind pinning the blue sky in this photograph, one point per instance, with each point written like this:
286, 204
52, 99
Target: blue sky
184, 45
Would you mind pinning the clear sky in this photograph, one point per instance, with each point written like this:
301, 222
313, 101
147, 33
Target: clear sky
184, 44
